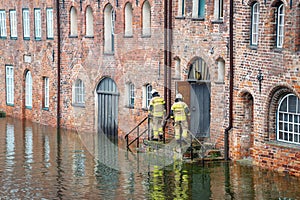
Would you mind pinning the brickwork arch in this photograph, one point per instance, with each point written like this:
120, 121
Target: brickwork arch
274, 97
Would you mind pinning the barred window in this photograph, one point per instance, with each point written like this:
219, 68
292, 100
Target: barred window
79, 92
288, 119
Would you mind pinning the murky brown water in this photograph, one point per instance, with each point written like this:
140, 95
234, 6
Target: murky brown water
38, 162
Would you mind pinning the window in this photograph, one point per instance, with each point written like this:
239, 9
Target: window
280, 26
26, 24
130, 92
147, 95
73, 22
218, 10
79, 92
46, 93
254, 24
109, 27
177, 68
198, 9
198, 70
28, 90
37, 24
181, 8
288, 119
146, 19
221, 70
89, 20
128, 19
297, 33
50, 34
9, 85
3, 33
13, 24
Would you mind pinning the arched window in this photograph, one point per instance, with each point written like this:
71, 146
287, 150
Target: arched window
280, 26
288, 119
146, 19
198, 70
109, 29
130, 95
28, 90
79, 92
221, 70
73, 22
89, 20
177, 68
254, 23
128, 20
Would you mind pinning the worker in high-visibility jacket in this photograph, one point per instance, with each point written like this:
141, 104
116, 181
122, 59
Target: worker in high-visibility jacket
156, 114
180, 113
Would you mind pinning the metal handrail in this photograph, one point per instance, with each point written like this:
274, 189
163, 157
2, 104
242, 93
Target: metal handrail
137, 127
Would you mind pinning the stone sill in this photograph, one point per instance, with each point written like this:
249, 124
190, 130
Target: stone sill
198, 19
252, 47
128, 36
10, 104
278, 50
217, 21
180, 17
283, 145
80, 105
129, 107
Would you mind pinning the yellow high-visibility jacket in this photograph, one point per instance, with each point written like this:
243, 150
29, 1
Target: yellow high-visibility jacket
157, 107
179, 111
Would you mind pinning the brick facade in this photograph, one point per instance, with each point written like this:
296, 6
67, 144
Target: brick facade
139, 59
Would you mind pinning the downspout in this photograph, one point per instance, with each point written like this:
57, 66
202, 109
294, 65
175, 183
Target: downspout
58, 63
226, 134
169, 54
165, 51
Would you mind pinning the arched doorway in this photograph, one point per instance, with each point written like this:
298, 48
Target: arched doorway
108, 102
196, 93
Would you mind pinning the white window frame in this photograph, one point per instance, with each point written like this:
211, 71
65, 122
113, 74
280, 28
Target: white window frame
46, 92
181, 8
73, 22
255, 22
26, 24
146, 19
79, 92
131, 95
89, 20
288, 122
3, 31
128, 20
196, 13
9, 85
28, 90
147, 96
13, 23
49, 25
218, 9
280, 26
37, 24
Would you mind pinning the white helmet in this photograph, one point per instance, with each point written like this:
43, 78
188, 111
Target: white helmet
153, 91
178, 96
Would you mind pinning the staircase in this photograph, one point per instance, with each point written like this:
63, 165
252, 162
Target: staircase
191, 149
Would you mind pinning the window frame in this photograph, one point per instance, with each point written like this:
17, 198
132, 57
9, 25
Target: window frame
286, 120
79, 92
131, 95
89, 22
49, 23
198, 9
148, 95
146, 24
26, 23
13, 24
128, 15
73, 22
254, 23
9, 78
280, 26
37, 24
28, 90
3, 28
46, 93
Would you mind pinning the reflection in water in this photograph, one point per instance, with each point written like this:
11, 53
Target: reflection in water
37, 162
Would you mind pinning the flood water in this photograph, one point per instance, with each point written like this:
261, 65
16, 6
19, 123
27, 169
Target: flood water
39, 162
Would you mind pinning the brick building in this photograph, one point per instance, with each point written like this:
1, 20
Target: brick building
93, 68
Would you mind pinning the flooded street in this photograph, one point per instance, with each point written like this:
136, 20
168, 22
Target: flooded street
38, 162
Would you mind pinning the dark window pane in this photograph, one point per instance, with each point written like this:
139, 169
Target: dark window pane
290, 137
290, 127
286, 126
292, 104
286, 117
280, 116
280, 125
280, 135
283, 106
296, 138
290, 118
285, 136
296, 118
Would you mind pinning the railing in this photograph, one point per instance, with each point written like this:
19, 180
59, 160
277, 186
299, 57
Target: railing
138, 134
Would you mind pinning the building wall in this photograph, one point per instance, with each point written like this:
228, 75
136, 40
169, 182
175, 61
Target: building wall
33, 55
279, 67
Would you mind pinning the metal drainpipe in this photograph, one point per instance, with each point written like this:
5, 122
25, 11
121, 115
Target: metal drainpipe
170, 53
226, 134
165, 52
58, 62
